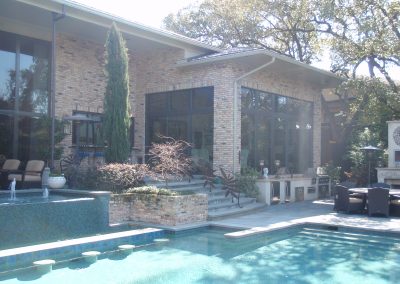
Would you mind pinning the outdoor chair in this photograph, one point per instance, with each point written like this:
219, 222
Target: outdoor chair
32, 174
395, 207
378, 201
345, 202
380, 185
9, 166
348, 184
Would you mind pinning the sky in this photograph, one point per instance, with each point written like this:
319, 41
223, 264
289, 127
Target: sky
152, 13
148, 12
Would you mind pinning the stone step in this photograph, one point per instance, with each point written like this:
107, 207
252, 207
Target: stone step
174, 185
235, 211
227, 203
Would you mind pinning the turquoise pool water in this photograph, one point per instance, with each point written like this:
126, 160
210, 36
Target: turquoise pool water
302, 255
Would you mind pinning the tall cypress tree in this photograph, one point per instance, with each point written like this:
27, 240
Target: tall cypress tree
116, 99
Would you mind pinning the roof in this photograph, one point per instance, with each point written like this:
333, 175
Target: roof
91, 15
258, 55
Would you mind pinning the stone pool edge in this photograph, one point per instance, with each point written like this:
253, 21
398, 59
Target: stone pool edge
15, 258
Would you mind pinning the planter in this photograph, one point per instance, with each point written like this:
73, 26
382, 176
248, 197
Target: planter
158, 209
57, 182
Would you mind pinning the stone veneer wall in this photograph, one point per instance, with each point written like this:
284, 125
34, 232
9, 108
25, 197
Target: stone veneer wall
162, 210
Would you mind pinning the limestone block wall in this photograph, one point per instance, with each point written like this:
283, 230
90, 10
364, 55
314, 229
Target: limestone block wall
162, 210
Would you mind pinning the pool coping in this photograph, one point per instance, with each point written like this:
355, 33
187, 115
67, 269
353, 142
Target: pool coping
15, 258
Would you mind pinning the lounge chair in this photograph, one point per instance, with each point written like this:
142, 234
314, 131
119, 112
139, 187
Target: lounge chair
345, 202
32, 174
10, 165
378, 201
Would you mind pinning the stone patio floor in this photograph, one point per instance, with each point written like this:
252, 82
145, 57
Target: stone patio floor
317, 211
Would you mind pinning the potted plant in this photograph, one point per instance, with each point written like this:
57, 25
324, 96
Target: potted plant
56, 180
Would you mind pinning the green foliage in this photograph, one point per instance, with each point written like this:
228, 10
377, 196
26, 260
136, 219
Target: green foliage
354, 32
280, 26
333, 172
116, 100
82, 178
246, 182
153, 190
42, 137
360, 159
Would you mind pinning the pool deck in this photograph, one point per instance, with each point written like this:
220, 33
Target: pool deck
283, 215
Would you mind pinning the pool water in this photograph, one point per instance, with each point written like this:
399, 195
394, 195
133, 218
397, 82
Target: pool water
302, 255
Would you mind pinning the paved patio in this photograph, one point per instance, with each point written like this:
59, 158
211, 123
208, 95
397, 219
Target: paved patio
318, 211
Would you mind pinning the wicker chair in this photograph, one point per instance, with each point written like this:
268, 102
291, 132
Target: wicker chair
378, 201
346, 203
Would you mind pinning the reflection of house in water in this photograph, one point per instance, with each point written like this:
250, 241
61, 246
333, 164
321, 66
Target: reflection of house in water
236, 107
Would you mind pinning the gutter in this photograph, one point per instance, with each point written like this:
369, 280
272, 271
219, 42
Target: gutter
55, 18
235, 107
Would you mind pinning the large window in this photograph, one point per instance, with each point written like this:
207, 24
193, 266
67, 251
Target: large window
185, 115
275, 128
24, 96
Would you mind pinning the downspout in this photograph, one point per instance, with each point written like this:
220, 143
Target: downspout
55, 18
235, 107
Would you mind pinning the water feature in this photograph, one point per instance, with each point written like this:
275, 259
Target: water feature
301, 255
45, 193
13, 195
38, 216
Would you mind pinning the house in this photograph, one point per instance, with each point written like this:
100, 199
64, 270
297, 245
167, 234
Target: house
240, 107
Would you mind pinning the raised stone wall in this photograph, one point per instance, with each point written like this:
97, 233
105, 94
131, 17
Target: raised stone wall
162, 210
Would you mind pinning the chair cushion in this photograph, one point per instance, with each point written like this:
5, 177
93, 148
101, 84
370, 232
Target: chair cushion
33, 178
34, 166
355, 200
11, 165
17, 177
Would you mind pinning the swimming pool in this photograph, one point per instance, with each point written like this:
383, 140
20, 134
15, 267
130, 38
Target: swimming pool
298, 255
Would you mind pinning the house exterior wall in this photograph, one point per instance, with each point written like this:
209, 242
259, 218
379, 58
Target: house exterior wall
156, 72
81, 82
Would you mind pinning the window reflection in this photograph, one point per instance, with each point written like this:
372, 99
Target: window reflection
275, 128
185, 115
24, 93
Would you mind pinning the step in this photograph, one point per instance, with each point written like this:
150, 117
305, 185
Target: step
227, 202
236, 211
177, 184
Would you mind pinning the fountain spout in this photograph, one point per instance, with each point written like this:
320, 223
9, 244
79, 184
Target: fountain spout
12, 190
45, 192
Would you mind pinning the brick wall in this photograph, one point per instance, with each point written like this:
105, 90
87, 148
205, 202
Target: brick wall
162, 210
81, 82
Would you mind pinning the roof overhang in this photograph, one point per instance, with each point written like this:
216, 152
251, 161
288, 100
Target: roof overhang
283, 65
92, 24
